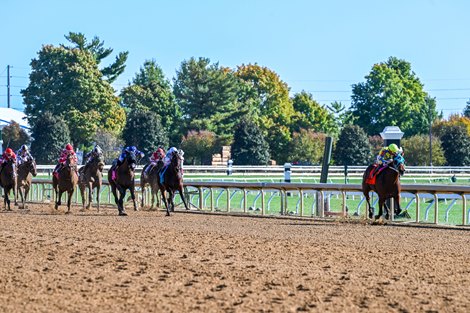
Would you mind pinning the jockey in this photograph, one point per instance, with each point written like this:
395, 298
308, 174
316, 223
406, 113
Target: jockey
158, 155
95, 153
168, 156
7, 155
68, 150
23, 154
117, 162
387, 154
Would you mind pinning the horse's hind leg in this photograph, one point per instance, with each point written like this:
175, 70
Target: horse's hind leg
82, 193
370, 209
381, 206
165, 201
6, 199
69, 200
132, 190
58, 199
98, 196
122, 195
90, 195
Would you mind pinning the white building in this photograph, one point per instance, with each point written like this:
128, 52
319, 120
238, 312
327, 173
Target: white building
7, 115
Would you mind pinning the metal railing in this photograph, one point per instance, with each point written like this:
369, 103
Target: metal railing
303, 200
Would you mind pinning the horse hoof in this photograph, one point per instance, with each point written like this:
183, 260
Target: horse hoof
68, 212
122, 214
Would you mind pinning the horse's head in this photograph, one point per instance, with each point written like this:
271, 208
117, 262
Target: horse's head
71, 161
399, 164
177, 160
31, 165
131, 159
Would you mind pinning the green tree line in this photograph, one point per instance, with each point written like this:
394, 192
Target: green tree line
207, 105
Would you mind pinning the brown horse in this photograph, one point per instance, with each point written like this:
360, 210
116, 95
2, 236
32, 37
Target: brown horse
66, 182
125, 179
8, 180
151, 179
387, 185
172, 181
91, 177
26, 171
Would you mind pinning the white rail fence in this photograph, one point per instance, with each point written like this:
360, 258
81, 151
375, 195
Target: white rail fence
436, 204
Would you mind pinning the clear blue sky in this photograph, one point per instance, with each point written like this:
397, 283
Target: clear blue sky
319, 46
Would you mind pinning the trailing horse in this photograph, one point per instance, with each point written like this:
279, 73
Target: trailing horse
386, 185
172, 181
26, 171
125, 179
91, 177
8, 180
151, 179
66, 182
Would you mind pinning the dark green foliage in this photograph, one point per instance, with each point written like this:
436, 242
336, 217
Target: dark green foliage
249, 146
466, 111
456, 145
95, 47
14, 136
151, 91
208, 97
50, 134
198, 147
352, 147
392, 95
145, 131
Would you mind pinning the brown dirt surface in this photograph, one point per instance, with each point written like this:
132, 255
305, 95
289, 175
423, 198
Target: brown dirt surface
146, 262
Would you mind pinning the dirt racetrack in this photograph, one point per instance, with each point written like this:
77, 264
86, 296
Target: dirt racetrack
90, 262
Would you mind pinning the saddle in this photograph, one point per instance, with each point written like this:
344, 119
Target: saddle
370, 180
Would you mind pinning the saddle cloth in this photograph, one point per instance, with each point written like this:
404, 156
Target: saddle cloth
373, 174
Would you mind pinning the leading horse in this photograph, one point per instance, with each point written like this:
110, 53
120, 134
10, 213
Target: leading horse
91, 177
8, 180
66, 182
125, 179
172, 181
26, 171
387, 185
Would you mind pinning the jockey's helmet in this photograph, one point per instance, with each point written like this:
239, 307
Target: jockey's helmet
393, 148
24, 148
9, 152
69, 147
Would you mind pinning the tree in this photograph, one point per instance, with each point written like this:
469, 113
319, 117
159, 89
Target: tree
50, 135
14, 136
271, 108
198, 147
416, 150
307, 147
440, 125
208, 97
376, 144
249, 146
68, 83
339, 112
456, 145
352, 147
151, 91
145, 131
466, 111
392, 95
110, 143
309, 114
95, 47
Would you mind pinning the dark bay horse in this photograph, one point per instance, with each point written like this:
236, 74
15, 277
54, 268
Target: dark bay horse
26, 171
151, 179
387, 185
8, 180
66, 182
125, 179
172, 182
91, 177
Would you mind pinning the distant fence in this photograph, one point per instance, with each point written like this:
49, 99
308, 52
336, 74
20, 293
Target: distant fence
424, 202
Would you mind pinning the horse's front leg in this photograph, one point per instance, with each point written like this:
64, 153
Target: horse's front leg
163, 192
180, 190
82, 188
122, 195
58, 199
98, 187
171, 198
69, 200
15, 196
90, 195
396, 203
132, 190
6, 200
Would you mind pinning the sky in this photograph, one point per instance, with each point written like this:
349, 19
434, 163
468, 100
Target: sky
322, 47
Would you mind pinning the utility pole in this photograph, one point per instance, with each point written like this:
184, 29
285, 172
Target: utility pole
8, 86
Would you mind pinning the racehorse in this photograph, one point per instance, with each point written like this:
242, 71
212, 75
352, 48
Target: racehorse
8, 180
151, 178
26, 171
66, 182
172, 181
125, 179
387, 185
91, 177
